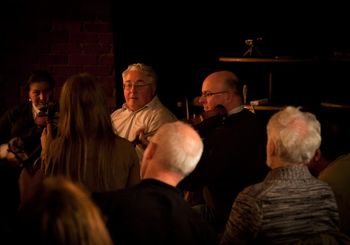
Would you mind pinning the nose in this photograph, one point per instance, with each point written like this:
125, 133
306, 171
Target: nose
132, 88
43, 96
202, 99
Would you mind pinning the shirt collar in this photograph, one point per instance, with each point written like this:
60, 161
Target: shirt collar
236, 110
35, 110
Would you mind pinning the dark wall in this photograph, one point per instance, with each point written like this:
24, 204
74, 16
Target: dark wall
64, 37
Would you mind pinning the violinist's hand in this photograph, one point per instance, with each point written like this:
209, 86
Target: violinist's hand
140, 139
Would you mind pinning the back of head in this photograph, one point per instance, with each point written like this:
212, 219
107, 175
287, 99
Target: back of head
61, 212
296, 135
83, 107
179, 147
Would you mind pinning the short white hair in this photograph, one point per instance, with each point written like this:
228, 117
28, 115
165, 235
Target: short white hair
295, 134
179, 147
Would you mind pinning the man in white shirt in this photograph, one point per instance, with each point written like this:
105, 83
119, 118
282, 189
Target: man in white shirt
142, 113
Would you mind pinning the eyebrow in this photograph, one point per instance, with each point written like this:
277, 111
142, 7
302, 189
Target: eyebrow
137, 81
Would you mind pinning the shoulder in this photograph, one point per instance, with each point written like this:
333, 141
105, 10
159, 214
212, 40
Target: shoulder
160, 110
158, 107
337, 168
116, 112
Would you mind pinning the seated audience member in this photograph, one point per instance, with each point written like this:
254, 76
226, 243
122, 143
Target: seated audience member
234, 149
142, 113
86, 149
21, 124
154, 211
290, 206
337, 175
60, 212
25, 121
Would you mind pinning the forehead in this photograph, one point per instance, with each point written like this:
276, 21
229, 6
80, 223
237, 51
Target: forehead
39, 86
212, 85
135, 76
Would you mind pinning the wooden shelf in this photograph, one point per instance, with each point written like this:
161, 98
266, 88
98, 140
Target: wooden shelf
264, 107
264, 60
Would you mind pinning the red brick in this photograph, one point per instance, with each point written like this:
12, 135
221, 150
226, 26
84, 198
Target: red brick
65, 48
54, 37
70, 26
65, 71
96, 48
99, 70
52, 59
107, 59
105, 37
83, 37
98, 27
82, 59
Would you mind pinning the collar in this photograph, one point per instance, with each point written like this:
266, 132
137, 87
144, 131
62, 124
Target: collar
35, 110
149, 104
236, 110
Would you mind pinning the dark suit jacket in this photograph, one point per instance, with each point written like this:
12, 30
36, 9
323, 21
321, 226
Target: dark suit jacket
234, 157
152, 212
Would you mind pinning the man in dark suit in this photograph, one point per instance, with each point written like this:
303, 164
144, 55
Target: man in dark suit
154, 211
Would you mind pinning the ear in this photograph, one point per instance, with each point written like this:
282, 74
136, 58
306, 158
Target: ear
150, 151
270, 148
317, 156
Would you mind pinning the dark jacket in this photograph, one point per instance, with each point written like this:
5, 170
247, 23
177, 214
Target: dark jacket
152, 212
234, 157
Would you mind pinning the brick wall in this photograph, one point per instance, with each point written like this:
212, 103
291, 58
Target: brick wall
64, 39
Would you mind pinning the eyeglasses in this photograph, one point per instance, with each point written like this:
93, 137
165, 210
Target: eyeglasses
208, 94
128, 86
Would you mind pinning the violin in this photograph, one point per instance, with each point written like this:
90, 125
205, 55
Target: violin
209, 120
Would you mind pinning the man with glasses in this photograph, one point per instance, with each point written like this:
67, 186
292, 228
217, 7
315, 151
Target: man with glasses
234, 150
142, 113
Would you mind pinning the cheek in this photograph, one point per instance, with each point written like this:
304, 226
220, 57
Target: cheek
33, 97
212, 102
125, 94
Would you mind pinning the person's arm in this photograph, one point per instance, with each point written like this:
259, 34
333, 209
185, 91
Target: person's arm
244, 221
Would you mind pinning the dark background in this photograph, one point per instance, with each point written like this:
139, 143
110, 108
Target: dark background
184, 42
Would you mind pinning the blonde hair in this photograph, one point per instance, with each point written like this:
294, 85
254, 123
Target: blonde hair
61, 212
